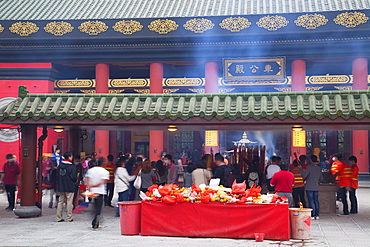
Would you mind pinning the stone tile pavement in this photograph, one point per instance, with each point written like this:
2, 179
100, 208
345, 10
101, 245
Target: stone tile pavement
330, 230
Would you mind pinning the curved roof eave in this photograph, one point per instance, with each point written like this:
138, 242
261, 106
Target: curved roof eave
118, 9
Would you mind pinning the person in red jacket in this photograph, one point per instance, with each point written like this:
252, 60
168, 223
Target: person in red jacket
343, 171
354, 185
10, 179
283, 182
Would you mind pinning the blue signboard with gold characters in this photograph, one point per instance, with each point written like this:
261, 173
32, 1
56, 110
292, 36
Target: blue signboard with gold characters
254, 68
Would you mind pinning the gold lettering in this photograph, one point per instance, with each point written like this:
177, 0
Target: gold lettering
254, 68
239, 69
268, 68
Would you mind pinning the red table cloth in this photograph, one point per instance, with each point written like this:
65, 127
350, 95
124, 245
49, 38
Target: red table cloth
215, 220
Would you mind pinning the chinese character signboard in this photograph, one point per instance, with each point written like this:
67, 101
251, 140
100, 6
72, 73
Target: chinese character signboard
254, 68
211, 138
299, 138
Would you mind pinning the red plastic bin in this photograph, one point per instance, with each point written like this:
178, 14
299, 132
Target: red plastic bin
130, 217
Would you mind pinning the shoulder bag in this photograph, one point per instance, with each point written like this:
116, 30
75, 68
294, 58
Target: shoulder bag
137, 183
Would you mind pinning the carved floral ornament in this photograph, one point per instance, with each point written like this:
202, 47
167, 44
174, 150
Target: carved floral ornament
311, 21
93, 27
235, 24
272, 23
58, 28
163, 26
127, 27
351, 19
196, 25
199, 25
24, 28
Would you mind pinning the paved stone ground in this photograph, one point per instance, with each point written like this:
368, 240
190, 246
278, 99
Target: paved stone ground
330, 230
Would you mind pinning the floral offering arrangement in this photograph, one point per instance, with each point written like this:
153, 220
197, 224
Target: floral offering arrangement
171, 193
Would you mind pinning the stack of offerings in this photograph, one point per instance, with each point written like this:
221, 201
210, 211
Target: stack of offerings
171, 193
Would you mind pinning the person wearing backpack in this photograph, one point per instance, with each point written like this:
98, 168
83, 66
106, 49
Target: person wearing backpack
254, 176
66, 179
223, 172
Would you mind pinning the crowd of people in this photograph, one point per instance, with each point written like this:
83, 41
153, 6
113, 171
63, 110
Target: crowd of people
300, 180
64, 174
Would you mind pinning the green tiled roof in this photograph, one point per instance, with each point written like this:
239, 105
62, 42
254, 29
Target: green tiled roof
122, 9
309, 105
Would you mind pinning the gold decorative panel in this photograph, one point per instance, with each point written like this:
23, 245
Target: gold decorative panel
115, 91
163, 26
225, 90
129, 83
58, 28
343, 88
197, 25
61, 91
168, 91
235, 24
197, 90
254, 68
1, 28
311, 21
144, 91
329, 79
272, 23
283, 89
74, 83
184, 82
24, 28
351, 19
127, 27
93, 27
310, 89
89, 91
202, 90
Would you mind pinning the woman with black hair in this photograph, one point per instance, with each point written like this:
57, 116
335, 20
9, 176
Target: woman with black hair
160, 173
188, 177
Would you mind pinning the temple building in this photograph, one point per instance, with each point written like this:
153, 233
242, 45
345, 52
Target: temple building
116, 74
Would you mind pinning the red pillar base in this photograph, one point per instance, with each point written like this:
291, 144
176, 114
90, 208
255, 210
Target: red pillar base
102, 143
360, 149
155, 144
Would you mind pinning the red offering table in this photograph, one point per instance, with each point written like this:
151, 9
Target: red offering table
215, 220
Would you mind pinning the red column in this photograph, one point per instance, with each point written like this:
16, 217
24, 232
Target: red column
211, 75
156, 137
101, 77
298, 85
155, 144
102, 136
360, 149
360, 141
360, 74
156, 78
28, 160
299, 75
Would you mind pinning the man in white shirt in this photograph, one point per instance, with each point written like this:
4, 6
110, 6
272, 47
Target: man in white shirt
96, 178
270, 171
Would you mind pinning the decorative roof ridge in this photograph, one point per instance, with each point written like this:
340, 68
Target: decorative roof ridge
327, 105
178, 95
103, 9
